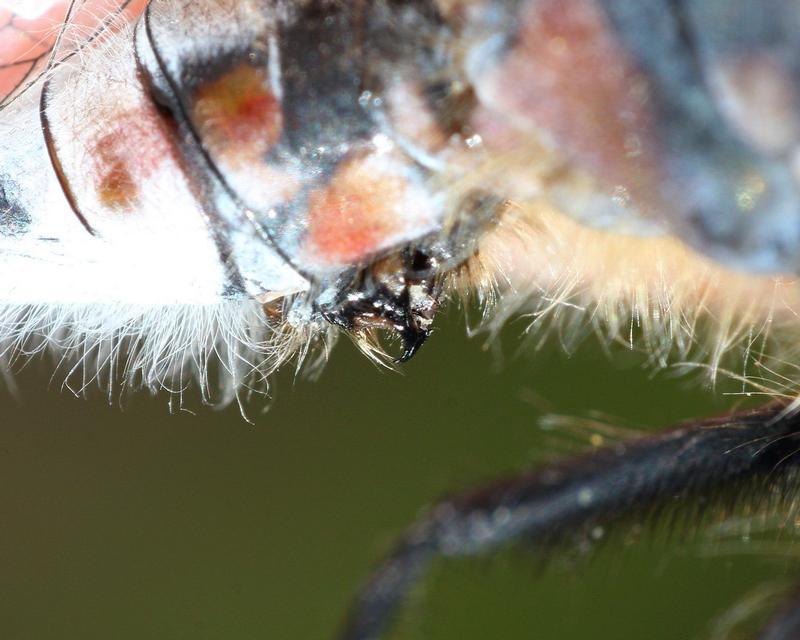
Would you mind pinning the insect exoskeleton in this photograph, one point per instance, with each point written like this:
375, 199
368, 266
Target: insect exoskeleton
323, 164
299, 156
652, 190
316, 124
227, 183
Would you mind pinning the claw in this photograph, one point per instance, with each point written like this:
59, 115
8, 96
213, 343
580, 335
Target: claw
413, 338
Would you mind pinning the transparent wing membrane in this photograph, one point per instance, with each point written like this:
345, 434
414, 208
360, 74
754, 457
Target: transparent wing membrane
28, 35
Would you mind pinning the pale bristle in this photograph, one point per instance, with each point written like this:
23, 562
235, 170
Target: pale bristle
227, 350
648, 293
652, 294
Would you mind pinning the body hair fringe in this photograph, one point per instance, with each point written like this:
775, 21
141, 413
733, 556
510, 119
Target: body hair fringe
227, 351
568, 282
680, 311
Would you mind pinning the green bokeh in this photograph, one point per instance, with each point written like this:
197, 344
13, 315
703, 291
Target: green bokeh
135, 523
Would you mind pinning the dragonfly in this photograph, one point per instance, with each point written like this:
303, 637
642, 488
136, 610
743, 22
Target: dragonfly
200, 192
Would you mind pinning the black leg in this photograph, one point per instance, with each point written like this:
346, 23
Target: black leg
558, 499
785, 624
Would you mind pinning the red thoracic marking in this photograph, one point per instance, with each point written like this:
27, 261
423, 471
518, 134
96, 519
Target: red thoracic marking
238, 118
355, 215
127, 155
117, 187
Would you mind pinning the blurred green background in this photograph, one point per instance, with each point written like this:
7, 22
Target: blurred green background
134, 523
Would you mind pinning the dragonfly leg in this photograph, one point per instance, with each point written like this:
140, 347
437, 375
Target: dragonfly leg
551, 502
785, 623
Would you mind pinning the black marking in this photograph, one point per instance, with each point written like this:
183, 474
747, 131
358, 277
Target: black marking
324, 68
388, 297
332, 54
234, 291
159, 90
171, 97
453, 103
15, 220
401, 294
55, 159
47, 130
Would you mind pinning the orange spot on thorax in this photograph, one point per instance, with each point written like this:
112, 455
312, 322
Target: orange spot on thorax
128, 154
354, 216
237, 115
